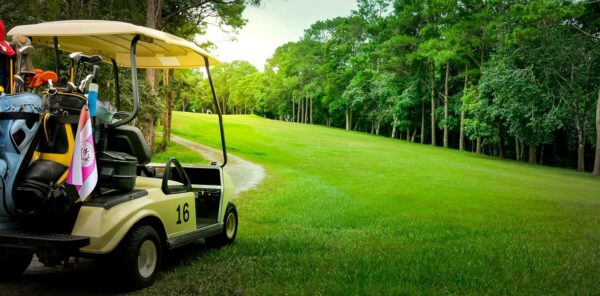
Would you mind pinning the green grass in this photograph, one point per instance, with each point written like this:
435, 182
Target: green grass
183, 154
351, 214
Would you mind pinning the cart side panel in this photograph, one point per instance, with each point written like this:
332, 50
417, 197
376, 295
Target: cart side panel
107, 227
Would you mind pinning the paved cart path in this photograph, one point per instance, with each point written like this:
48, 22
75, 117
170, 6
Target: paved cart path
79, 278
245, 174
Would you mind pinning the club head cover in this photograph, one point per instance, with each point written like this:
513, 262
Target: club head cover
43, 78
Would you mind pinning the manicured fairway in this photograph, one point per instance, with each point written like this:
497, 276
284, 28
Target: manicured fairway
182, 153
352, 214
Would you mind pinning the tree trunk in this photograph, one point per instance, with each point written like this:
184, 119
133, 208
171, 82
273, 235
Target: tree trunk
311, 111
517, 149
168, 74
223, 110
348, 118
500, 147
532, 153
446, 99
422, 121
293, 111
153, 10
478, 149
408, 134
300, 110
169, 108
306, 110
433, 105
169, 117
597, 158
461, 140
580, 146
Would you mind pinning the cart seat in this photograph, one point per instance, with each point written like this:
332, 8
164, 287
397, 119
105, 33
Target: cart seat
129, 139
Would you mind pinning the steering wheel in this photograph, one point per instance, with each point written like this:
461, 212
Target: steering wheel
121, 113
119, 116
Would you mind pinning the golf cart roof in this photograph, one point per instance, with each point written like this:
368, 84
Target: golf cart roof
155, 49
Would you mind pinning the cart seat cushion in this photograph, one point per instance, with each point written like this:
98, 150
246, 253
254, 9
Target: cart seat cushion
129, 139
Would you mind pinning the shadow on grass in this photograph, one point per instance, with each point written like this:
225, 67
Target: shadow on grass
88, 277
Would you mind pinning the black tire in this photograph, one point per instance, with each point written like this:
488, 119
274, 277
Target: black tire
138, 258
13, 262
229, 232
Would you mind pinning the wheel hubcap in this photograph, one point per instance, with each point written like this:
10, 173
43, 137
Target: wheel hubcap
147, 258
231, 222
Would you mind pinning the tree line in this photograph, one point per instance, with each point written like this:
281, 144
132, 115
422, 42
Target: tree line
509, 78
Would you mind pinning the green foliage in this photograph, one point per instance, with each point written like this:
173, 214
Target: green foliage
406, 109
190, 91
229, 79
479, 121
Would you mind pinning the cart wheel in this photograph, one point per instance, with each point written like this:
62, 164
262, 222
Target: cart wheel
13, 262
140, 257
230, 226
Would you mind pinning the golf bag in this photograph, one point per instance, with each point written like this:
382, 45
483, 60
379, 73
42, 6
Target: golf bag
19, 131
42, 193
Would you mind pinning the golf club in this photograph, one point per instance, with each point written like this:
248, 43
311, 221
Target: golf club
74, 57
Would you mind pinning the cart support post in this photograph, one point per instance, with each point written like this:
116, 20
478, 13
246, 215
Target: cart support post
56, 57
117, 87
216, 103
134, 86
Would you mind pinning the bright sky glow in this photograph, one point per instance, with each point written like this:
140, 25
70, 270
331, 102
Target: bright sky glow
273, 24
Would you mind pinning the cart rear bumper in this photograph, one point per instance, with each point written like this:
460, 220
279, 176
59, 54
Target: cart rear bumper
31, 240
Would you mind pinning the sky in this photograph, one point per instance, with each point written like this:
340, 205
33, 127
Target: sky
273, 24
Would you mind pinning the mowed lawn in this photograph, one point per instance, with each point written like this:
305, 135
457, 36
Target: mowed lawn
352, 214
182, 153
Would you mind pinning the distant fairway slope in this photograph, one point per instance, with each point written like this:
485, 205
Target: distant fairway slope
348, 213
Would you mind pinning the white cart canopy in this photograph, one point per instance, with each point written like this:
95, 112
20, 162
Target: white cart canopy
155, 49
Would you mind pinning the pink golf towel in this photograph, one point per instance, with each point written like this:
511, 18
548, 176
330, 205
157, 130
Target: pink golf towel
83, 172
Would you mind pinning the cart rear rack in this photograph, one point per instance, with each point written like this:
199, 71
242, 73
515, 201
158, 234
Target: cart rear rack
22, 239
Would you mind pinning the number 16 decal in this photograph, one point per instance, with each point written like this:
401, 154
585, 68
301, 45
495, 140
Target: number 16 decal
186, 213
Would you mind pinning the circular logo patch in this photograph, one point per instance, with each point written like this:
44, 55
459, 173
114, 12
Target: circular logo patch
87, 154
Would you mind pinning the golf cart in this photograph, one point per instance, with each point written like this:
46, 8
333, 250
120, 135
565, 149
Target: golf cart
137, 210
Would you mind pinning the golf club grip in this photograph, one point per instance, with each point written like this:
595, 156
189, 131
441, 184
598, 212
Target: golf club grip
95, 73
